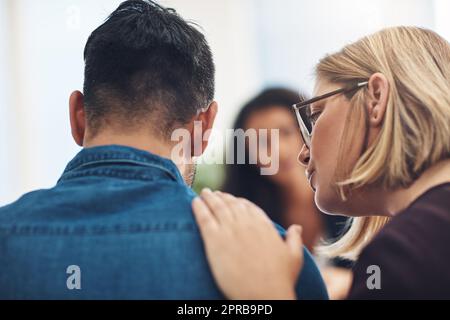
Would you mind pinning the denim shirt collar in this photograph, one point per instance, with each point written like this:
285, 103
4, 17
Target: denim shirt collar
122, 154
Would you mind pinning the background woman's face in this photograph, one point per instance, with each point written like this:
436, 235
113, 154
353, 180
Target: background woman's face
290, 141
324, 151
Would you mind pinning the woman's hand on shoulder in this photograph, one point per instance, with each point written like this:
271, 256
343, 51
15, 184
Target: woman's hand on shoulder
248, 257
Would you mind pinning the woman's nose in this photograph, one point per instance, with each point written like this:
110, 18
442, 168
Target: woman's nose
303, 156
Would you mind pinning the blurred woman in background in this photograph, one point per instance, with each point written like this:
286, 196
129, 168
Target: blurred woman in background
285, 196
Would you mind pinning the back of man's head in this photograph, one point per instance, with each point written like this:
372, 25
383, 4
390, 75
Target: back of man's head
146, 66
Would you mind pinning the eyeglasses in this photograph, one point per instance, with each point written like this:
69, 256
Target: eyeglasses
306, 120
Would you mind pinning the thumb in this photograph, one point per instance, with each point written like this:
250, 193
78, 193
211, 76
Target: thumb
294, 241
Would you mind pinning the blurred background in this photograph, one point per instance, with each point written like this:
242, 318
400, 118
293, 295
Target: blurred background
256, 44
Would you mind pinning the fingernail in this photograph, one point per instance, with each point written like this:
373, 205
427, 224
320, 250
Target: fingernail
206, 190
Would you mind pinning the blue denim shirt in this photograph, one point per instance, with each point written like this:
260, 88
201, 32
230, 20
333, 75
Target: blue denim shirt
123, 217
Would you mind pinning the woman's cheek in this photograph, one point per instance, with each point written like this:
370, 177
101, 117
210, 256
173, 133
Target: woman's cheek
324, 154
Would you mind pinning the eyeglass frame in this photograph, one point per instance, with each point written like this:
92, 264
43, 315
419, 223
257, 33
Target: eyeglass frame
306, 135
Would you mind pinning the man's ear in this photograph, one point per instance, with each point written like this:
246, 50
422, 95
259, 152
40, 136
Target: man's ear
77, 117
207, 119
378, 99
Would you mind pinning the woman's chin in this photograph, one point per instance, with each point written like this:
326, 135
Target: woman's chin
328, 202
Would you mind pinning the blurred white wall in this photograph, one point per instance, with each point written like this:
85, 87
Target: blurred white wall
44, 61
5, 138
295, 35
256, 43
442, 17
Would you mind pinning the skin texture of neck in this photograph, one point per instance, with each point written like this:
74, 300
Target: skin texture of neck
383, 202
400, 199
142, 141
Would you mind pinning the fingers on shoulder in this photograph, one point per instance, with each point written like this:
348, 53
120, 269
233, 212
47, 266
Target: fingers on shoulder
203, 215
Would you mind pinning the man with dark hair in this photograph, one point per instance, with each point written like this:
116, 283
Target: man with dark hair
119, 224
146, 65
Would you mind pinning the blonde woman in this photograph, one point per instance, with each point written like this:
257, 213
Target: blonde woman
377, 149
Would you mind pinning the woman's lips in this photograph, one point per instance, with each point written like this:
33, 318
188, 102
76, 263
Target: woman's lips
310, 176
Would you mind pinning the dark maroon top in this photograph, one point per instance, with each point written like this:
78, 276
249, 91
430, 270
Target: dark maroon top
412, 252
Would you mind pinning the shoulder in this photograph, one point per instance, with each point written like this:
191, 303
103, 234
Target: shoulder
410, 252
424, 225
310, 285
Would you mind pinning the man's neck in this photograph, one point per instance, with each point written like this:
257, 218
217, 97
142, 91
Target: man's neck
138, 141
142, 141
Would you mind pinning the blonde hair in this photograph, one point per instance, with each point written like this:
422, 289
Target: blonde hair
416, 130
